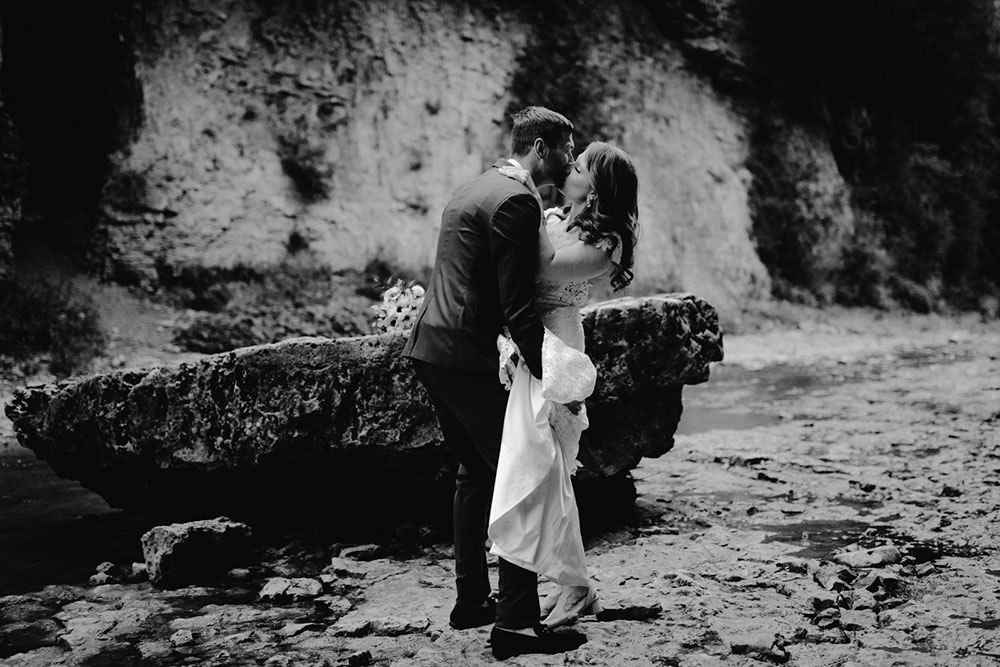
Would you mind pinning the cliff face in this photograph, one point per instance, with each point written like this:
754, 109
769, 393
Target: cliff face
342, 130
337, 131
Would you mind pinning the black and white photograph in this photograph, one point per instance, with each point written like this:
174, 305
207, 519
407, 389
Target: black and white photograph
446, 333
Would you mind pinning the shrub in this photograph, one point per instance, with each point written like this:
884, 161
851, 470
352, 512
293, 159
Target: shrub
53, 317
909, 92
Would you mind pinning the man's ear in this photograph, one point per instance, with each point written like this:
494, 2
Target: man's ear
540, 148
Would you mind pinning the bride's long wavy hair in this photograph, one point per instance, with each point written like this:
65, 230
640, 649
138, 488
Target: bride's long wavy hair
612, 210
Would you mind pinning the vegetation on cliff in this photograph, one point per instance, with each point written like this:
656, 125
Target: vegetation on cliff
908, 93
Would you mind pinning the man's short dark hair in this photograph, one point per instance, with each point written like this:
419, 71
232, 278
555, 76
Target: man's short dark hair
537, 122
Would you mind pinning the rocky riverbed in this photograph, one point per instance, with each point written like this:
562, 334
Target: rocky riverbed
822, 433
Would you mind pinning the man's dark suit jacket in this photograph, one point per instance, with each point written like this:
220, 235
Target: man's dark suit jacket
483, 278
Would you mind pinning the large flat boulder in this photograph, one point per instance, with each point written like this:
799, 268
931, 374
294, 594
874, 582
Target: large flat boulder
339, 428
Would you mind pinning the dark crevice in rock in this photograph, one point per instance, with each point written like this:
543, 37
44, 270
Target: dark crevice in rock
68, 81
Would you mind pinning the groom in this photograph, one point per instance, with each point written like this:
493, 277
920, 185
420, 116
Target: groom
483, 280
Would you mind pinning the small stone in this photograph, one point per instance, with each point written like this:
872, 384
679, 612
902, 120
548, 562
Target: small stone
680, 579
99, 579
363, 552
180, 554
869, 557
344, 568
767, 645
830, 612
818, 603
246, 637
182, 637
358, 626
293, 629
155, 649
924, 569
139, 571
878, 578
796, 565
631, 612
857, 620
333, 605
360, 659
860, 599
106, 566
833, 578
282, 588
238, 574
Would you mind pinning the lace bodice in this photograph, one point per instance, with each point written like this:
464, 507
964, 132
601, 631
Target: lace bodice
573, 293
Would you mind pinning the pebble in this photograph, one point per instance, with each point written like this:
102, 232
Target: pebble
182, 637
883, 555
298, 588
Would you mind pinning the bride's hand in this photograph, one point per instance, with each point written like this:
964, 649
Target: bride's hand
518, 174
522, 176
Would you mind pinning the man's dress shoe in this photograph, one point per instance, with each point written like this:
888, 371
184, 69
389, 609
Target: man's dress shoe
506, 644
464, 616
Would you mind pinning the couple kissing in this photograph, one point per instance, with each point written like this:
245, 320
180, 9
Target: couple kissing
498, 344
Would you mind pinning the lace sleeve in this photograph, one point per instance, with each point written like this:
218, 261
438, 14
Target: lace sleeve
567, 373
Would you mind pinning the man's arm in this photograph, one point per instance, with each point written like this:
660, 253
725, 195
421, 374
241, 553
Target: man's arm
514, 250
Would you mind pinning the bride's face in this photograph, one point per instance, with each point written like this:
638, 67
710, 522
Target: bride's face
578, 185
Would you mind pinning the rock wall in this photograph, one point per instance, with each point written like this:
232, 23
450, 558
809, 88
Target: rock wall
342, 128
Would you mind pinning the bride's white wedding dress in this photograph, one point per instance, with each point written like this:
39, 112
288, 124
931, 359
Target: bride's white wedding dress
534, 521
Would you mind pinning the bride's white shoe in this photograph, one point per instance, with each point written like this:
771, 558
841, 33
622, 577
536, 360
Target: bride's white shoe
566, 605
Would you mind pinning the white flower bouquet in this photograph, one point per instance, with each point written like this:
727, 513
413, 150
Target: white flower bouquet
398, 308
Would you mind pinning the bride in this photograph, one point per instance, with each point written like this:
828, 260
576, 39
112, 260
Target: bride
533, 519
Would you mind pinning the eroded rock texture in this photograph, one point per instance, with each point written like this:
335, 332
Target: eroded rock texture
340, 427
341, 130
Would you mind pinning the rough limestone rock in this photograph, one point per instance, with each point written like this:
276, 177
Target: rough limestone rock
343, 129
198, 551
336, 428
